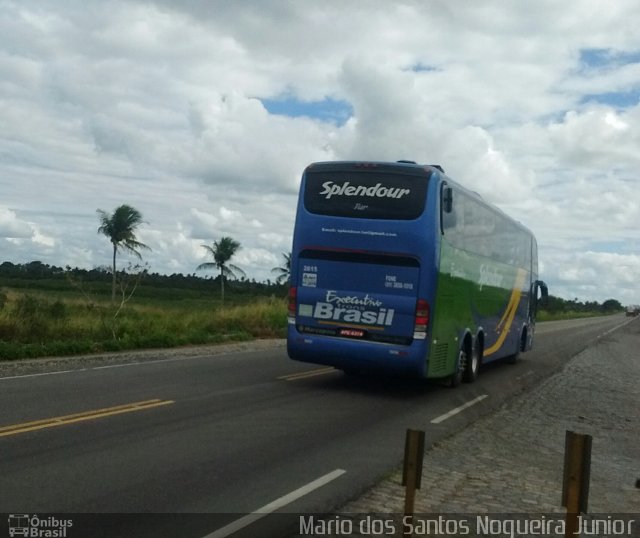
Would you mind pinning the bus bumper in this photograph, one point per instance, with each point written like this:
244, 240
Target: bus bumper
357, 355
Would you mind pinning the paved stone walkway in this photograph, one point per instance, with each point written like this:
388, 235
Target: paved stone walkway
511, 461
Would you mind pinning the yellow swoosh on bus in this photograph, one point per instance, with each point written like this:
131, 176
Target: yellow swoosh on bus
504, 325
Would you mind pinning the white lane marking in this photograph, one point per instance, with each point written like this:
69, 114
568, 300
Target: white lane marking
308, 373
457, 410
122, 365
526, 374
243, 522
41, 374
626, 322
113, 366
152, 361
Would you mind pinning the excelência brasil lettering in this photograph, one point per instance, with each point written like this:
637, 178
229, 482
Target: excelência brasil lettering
333, 297
376, 191
353, 309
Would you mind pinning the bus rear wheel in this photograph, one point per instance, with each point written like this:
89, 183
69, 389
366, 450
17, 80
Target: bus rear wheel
456, 379
472, 365
467, 365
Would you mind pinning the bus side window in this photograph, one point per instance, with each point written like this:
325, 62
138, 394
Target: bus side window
447, 209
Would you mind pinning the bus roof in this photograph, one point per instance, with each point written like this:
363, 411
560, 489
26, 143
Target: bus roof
428, 169
376, 165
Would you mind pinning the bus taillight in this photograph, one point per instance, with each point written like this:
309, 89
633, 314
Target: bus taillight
422, 319
293, 294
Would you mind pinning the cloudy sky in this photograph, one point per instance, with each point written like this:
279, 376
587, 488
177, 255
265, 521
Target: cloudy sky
203, 114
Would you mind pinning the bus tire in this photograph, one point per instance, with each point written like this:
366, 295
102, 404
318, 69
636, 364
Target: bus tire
472, 364
456, 379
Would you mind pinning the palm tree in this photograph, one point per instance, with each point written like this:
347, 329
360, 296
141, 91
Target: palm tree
284, 272
120, 229
222, 251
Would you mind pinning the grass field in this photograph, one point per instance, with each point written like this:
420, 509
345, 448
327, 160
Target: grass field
543, 315
44, 323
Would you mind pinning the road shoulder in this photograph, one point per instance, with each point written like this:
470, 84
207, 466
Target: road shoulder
79, 362
511, 461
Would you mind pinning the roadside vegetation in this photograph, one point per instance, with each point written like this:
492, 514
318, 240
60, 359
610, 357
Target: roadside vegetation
47, 311
558, 309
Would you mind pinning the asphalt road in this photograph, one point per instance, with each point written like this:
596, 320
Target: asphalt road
233, 434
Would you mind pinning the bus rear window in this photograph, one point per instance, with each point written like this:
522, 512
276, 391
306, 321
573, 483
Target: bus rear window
366, 194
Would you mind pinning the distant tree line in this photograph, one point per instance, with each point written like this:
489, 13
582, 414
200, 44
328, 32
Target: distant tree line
37, 274
558, 305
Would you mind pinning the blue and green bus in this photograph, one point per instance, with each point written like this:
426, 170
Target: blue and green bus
397, 268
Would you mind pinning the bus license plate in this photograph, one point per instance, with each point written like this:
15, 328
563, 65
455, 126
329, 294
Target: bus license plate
352, 333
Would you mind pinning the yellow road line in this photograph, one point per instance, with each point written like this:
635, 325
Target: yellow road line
309, 373
80, 417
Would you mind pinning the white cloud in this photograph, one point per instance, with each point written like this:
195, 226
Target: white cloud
595, 275
43, 240
20, 233
203, 224
12, 227
598, 137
